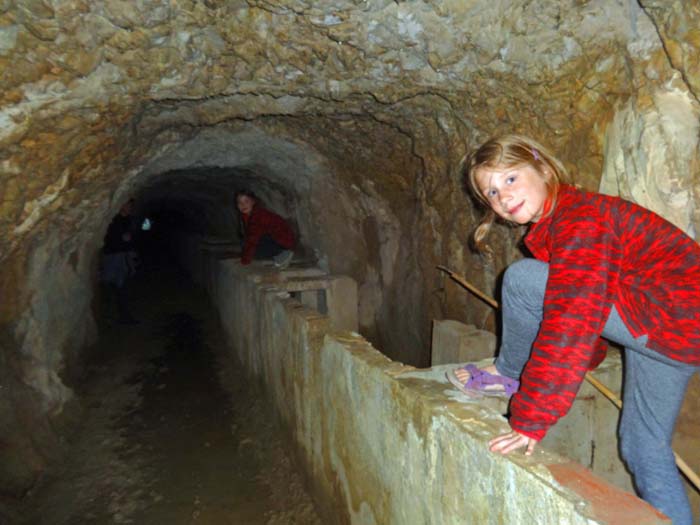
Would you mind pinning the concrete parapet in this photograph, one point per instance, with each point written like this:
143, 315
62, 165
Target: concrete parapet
383, 443
587, 434
333, 295
455, 342
342, 303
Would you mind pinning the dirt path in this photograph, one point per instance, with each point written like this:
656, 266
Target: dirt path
172, 433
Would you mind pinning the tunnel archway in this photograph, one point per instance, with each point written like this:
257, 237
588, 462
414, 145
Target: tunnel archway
353, 227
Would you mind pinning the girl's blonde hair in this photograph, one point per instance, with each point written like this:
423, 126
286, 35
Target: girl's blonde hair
508, 151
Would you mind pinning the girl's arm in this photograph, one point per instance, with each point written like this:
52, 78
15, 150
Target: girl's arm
583, 269
254, 231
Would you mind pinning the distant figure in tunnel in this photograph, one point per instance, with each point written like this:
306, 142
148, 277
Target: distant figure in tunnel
265, 235
603, 267
119, 259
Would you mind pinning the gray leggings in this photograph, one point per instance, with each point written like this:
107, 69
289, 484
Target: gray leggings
654, 388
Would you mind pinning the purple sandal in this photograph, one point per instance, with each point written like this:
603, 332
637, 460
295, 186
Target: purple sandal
479, 380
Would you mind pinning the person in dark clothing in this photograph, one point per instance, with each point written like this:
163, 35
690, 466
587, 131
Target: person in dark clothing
265, 234
119, 257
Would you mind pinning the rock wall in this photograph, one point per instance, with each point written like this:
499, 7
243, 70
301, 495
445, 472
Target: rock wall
651, 156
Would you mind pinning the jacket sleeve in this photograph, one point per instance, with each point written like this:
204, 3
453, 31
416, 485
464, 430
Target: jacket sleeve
254, 230
583, 269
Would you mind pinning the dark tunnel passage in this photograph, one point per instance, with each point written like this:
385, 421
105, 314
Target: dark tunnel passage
202, 200
168, 428
346, 224
165, 427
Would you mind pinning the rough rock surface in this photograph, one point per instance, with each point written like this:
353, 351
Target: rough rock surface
348, 116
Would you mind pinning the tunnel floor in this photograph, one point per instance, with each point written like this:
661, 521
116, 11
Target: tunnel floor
171, 431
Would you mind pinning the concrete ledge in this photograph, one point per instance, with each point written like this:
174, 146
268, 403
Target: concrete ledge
455, 342
383, 443
587, 434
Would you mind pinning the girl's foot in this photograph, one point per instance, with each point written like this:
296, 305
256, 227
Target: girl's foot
283, 259
485, 381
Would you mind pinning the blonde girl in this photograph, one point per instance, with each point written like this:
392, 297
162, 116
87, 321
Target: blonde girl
601, 267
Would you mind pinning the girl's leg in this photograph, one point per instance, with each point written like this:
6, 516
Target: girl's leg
653, 391
267, 248
522, 300
653, 394
654, 387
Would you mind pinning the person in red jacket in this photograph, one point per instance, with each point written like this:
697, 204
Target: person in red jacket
265, 234
602, 267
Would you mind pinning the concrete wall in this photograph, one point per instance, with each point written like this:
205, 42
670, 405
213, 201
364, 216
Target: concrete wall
455, 342
384, 443
586, 435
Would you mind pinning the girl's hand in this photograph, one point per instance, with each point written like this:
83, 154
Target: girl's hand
507, 443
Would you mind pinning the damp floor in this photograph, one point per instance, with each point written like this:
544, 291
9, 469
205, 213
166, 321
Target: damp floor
171, 431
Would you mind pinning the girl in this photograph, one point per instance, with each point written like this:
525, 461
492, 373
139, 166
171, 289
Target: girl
265, 234
603, 267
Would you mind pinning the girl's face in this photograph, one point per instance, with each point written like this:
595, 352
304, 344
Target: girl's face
517, 194
245, 204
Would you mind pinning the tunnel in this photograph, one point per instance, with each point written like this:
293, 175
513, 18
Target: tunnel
350, 119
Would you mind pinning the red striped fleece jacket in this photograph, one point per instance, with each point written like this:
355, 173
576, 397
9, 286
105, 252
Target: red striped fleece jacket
265, 222
604, 251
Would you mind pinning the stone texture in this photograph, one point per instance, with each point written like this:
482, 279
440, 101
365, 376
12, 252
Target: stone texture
455, 342
678, 23
385, 443
661, 174
348, 117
